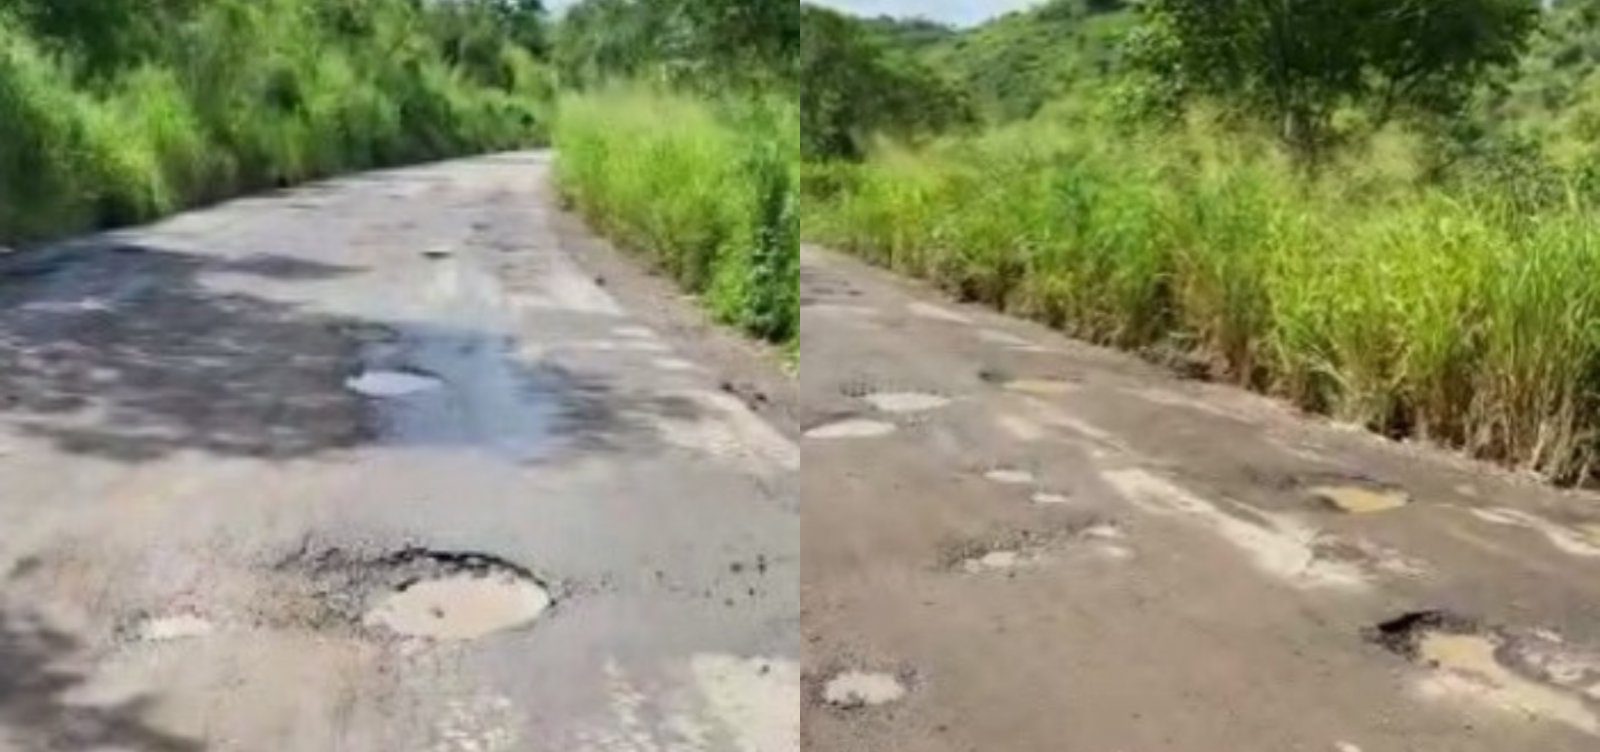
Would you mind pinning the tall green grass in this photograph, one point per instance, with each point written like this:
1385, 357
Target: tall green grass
1467, 315
707, 190
238, 95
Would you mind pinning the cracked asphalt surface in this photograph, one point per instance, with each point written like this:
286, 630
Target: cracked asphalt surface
197, 509
1082, 551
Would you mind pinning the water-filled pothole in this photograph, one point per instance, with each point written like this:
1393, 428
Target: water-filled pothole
460, 606
391, 383
1361, 499
422, 593
1507, 670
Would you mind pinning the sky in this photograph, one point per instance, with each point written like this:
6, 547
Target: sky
958, 12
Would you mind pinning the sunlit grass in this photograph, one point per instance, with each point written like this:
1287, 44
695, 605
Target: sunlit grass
246, 96
708, 190
1465, 315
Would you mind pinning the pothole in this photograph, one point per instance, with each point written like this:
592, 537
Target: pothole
1361, 499
905, 402
1490, 666
460, 606
852, 690
1020, 549
391, 383
851, 428
421, 593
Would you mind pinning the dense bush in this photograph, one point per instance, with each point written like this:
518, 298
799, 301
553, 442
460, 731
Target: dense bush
122, 110
707, 189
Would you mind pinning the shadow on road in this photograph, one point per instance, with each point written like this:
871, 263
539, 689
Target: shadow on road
124, 352
121, 352
36, 714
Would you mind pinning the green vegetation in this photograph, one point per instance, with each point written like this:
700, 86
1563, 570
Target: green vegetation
856, 85
708, 190
1418, 253
117, 111
680, 138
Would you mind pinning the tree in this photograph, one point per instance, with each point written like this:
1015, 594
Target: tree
1298, 62
107, 35
851, 86
706, 43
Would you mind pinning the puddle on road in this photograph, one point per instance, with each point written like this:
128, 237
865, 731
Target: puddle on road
1484, 665
1051, 497
853, 428
381, 383
433, 386
461, 606
853, 690
905, 402
1361, 500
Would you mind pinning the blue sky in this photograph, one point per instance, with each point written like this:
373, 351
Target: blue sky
961, 12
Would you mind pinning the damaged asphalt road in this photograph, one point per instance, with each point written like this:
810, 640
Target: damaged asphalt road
377, 465
1014, 541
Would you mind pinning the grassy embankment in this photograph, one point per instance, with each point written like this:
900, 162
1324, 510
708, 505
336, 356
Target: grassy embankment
1466, 313
707, 189
119, 112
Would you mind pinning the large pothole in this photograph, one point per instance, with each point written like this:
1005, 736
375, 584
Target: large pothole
427, 594
1534, 674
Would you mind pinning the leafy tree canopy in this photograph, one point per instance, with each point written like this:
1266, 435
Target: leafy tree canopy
1295, 63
